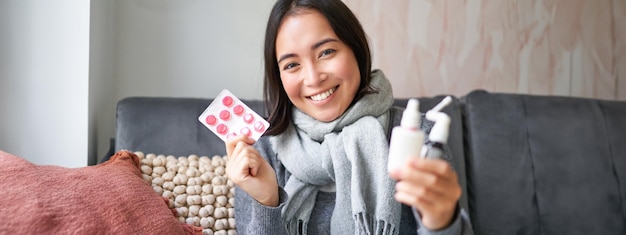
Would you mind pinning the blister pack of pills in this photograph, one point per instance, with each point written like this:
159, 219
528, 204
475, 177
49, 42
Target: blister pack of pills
227, 116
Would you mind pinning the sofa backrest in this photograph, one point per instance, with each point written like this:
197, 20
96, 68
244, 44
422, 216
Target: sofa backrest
170, 126
545, 164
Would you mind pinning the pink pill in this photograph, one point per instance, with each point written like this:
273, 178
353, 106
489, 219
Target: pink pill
222, 129
231, 135
238, 110
248, 118
259, 127
246, 131
227, 101
224, 115
211, 120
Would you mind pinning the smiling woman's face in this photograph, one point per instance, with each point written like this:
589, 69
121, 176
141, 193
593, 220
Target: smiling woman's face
319, 72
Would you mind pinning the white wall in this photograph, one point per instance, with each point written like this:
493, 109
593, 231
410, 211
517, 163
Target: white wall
60, 79
190, 48
102, 93
44, 55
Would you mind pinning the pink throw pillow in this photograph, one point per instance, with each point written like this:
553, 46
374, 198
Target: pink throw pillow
109, 198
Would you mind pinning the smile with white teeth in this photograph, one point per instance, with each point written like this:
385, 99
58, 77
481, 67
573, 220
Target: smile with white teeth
323, 95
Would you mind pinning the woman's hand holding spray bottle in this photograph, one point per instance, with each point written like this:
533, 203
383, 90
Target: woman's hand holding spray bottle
427, 184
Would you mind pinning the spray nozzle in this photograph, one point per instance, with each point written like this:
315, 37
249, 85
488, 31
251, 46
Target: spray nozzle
442, 104
411, 115
439, 132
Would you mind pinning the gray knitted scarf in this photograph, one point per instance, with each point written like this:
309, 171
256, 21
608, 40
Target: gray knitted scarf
350, 153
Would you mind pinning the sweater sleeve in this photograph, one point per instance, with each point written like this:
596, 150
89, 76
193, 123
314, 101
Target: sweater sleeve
253, 217
460, 226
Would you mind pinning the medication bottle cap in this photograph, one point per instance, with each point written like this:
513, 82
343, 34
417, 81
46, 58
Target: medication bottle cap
411, 115
440, 131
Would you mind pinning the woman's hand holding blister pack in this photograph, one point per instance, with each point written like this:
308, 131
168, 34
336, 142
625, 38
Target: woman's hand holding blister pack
249, 170
239, 127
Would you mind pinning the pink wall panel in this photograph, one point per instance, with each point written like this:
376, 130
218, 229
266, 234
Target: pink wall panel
554, 47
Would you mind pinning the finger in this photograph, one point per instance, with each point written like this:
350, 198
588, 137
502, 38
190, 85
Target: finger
395, 173
418, 177
438, 167
239, 146
249, 158
414, 179
243, 168
249, 150
253, 159
235, 168
232, 142
237, 155
429, 203
411, 198
251, 165
416, 191
436, 186
434, 207
432, 194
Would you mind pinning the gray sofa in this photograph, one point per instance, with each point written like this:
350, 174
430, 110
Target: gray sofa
527, 164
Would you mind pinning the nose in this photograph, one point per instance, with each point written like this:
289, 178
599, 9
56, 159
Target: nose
313, 76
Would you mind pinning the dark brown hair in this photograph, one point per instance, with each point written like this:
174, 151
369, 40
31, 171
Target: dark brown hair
345, 25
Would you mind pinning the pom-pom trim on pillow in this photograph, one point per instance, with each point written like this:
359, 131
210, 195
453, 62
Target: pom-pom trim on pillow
197, 188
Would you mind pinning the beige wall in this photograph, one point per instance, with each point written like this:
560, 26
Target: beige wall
555, 47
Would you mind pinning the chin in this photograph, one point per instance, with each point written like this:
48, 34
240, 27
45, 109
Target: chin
322, 117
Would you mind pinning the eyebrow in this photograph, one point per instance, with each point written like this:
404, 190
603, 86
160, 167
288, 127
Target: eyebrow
315, 46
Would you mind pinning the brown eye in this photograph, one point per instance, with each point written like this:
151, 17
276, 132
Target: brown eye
326, 52
290, 66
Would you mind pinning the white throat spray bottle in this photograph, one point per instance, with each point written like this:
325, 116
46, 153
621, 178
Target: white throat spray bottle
438, 136
407, 139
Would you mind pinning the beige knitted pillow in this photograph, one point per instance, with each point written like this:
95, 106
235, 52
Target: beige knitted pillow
197, 189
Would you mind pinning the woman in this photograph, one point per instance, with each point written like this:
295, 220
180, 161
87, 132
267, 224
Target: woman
320, 168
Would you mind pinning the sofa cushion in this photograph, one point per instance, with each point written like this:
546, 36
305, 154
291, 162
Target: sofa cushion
545, 164
109, 198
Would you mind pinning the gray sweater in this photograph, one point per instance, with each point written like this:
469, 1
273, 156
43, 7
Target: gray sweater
254, 218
